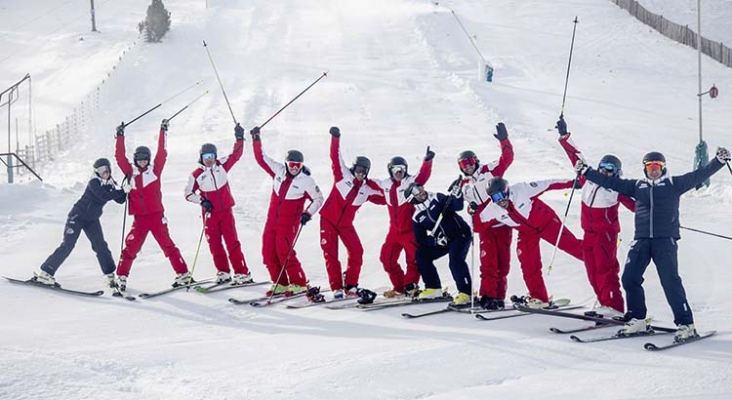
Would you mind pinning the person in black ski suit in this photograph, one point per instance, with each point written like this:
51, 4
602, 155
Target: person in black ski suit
452, 236
656, 235
84, 216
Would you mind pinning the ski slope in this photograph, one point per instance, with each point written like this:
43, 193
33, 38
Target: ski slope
401, 76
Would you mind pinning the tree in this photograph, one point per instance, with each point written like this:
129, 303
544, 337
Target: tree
157, 22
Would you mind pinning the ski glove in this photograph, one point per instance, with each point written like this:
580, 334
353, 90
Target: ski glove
127, 187
472, 208
438, 240
121, 130
304, 218
207, 205
501, 132
164, 125
580, 167
255, 133
561, 125
723, 155
455, 187
335, 131
239, 132
429, 155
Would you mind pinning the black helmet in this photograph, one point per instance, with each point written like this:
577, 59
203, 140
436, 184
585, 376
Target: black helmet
496, 185
467, 157
295, 155
654, 156
398, 160
207, 148
361, 161
411, 191
142, 153
101, 162
611, 159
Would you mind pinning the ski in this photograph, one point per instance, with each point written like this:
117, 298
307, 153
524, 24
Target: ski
401, 303
556, 308
122, 295
277, 299
173, 289
220, 287
322, 303
598, 325
425, 314
584, 317
449, 308
655, 347
618, 335
57, 287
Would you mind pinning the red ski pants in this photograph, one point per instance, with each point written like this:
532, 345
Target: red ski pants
277, 245
221, 225
529, 252
603, 270
393, 245
156, 224
329, 235
495, 261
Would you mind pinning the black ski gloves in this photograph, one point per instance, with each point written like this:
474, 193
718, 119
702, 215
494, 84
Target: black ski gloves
335, 131
429, 155
455, 187
207, 205
121, 130
304, 218
501, 132
561, 125
164, 125
472, 207
255, 133
723, 155
238, 132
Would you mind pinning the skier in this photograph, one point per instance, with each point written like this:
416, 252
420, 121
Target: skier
656, 235
351, 189
84, 216
519, 207
208, 185
146, 205
292, 184
495, 240
439, 231
601, 227
401, 233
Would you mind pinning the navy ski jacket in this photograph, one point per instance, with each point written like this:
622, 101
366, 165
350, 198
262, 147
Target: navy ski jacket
426, 214
656, 202
98, 192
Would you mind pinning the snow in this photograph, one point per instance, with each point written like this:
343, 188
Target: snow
401, 76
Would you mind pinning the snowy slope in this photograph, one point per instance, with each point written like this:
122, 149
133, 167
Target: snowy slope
401, 77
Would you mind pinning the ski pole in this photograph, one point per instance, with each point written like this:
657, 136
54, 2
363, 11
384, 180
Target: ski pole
284, 265
205, 46
198, 249
187, 105
569, 64
728, 167
124, 217
561, 228
706, 233
124, 125
293, 100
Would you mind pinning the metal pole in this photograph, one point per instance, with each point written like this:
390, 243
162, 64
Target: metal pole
699, 60
569, 64
94, 22
10, 158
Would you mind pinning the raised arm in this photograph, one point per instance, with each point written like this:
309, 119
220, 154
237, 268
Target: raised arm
336, 160
266, 163
120, 152
686, 182
161, 155
426, 169
622, 186
237, 152
506, 158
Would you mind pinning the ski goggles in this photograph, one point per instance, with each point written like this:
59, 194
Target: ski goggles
609, 167
102, 169
208, 156
656, 166
467, 162
398, 168
498, 196
294, 164
360, 169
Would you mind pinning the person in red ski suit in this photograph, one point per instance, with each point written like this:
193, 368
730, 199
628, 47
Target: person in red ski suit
351, 189
292, 184
146, 205
519, 207
601, 227
401, 233
208, 185
495, 240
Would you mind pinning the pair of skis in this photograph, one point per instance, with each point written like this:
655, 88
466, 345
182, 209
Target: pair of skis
481, 314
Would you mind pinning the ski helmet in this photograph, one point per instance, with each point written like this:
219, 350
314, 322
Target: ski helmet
496, 187
651, 157
611, 163
295, 155
467, 158
411, 192
142, 153
397, 160
361, 161
102, 162
207, 148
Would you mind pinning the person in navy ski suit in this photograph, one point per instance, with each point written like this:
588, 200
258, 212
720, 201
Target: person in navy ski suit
84, 216
452, 236
656, 234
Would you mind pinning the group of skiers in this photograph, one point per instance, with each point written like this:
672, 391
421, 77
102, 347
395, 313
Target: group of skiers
424, 225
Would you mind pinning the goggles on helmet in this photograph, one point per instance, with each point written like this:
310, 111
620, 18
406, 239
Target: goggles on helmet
360, 169
102, 169
208, 156
398, 168
609, 167
654, 166
294, 164
498, 196
467, 162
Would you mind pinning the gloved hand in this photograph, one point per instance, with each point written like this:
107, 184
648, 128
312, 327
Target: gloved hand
238, 132
164, 125
207, 205
127, 187
501, 131
255, 133
121, 130
561, 125
723, 155
304, 218
335, 131
429, 155
441, 240
472, 208
455, 188
580, 167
